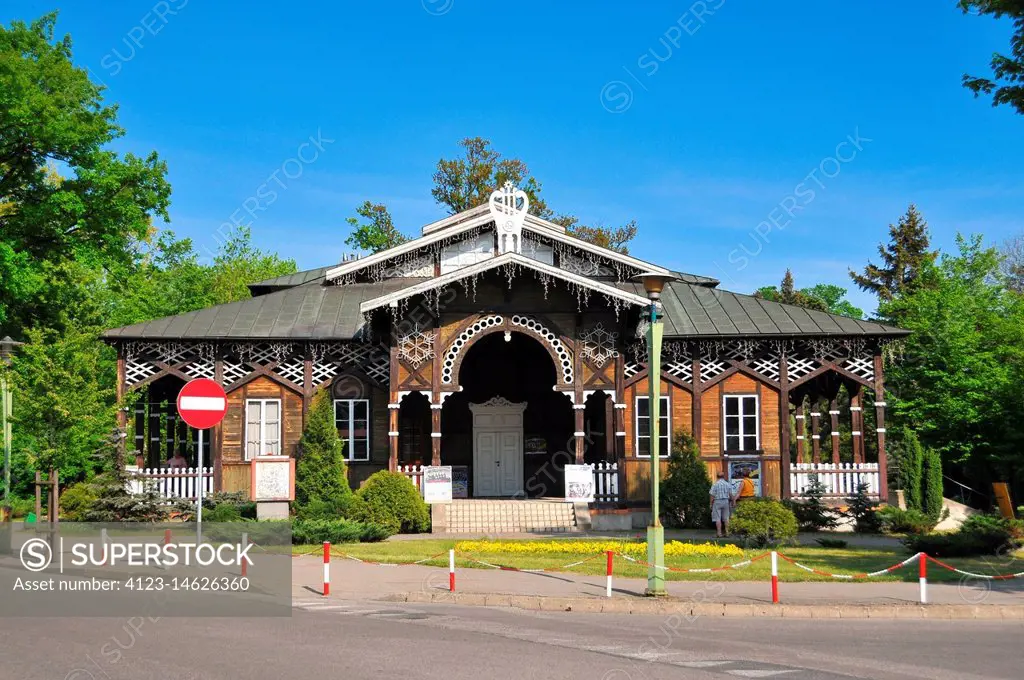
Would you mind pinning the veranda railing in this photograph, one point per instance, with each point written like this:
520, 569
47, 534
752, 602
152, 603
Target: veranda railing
840, 479
171, 482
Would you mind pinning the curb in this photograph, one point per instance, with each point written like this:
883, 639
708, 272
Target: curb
992, 612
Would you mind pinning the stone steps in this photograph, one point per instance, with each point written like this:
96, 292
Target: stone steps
510, 516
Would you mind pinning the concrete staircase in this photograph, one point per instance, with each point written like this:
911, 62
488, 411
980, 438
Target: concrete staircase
481, 516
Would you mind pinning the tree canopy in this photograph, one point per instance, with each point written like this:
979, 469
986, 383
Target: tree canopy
902, 258
823, 297
1006, 84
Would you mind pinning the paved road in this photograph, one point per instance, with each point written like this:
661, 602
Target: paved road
352, 640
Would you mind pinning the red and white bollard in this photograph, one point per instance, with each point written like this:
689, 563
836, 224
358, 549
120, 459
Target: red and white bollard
922, 573
608, 586
104, 541
245, 559
327, 568
451, 570
167, 536
775, 577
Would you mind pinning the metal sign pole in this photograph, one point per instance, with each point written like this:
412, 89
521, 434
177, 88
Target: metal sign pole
199, 490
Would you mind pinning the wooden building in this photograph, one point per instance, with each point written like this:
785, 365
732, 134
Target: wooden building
508, 348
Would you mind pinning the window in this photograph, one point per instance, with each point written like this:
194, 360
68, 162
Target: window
262, 428
741, 429
352, 418
643, 428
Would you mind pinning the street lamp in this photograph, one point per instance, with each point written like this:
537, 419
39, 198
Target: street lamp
7, 347
654, 284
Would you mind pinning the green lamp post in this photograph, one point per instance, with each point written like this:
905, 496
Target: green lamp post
7, 347
654, 284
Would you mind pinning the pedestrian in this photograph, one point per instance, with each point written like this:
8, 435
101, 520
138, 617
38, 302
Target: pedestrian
177, 461
747, 490
722, 498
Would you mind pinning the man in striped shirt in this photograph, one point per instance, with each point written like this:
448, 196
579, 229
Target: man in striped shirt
722, 498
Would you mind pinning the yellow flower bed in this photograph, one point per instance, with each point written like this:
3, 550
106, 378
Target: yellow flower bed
635, 550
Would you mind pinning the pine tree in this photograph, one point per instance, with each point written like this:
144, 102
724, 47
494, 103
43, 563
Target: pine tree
931, 473
902, 259
320, 474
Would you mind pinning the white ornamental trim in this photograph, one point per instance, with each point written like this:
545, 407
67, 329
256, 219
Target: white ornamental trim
392, 434
620, 434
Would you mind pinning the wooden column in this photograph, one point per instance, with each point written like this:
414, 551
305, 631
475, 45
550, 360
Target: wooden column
609, 429
307, 383
122, 414
697, 396
393, 406
883, 479
833, 411
857, 424
784, 424
217, 435
579, 401
801, 420
815, 431
435, 397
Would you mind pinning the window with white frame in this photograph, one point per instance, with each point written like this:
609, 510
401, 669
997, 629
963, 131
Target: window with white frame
262, 428
643, 427
352, 418
742, 432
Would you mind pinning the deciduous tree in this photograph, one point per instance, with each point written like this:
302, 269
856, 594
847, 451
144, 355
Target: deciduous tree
1006, 85
377, 233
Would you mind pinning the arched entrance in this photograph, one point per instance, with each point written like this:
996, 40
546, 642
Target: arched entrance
508, 425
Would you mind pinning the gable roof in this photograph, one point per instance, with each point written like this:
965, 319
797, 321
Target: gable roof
495, 262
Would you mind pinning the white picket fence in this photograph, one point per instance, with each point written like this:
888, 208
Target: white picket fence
840, 479
606, 480
414, 473
170, 482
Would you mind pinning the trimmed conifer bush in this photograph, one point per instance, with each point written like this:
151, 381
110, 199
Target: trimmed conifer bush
684, 493
931, 473
320, 474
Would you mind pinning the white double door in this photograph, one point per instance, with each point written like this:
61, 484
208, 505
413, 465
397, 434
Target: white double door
498, 463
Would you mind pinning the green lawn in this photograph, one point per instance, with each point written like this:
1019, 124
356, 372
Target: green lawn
836, 561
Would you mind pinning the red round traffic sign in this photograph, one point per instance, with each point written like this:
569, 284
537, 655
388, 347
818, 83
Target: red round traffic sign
202, 403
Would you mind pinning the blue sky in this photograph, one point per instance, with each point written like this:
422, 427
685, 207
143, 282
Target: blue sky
717, 125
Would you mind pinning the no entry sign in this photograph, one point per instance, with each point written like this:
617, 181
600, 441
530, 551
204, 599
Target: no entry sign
202, 403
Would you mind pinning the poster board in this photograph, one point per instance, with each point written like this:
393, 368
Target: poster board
738, 466
272, 479
460, 481
437, 483
579, 483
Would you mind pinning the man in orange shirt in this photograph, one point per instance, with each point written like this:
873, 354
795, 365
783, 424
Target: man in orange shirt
747, 489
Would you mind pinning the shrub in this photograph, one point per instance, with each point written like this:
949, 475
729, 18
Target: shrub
862, 511
931, 492
978, 535
811, 513
394, 503
225, 512
320, 472
114, 504
20, 507
76, 500
892, 520
764, 521
239, 499
335, 531
684, 493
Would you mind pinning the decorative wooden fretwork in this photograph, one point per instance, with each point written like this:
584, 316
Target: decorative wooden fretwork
520, 322
598, 345
805, 359
416, 346
333, 358
148, 360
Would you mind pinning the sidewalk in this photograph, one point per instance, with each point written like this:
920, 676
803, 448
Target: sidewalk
362, 581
